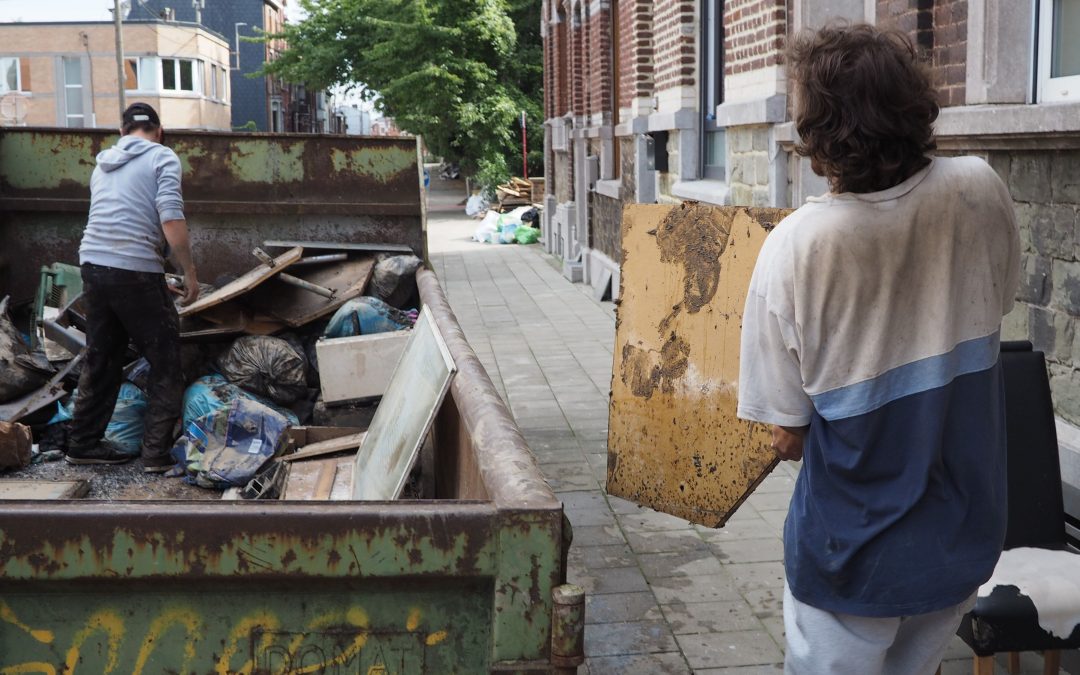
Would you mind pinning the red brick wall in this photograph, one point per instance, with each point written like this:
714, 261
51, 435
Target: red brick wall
939, 28
674, 24
755, 34
598, 58
578, 65
635, 51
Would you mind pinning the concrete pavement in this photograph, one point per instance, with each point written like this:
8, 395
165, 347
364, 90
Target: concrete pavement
663, 596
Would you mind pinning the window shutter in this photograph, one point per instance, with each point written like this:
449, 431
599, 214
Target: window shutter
24, 74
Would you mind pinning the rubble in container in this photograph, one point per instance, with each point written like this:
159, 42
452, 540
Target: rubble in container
256, 421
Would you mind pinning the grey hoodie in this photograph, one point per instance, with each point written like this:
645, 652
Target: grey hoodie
134, 189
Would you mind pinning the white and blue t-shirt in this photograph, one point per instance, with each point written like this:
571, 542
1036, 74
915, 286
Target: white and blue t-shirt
874, 319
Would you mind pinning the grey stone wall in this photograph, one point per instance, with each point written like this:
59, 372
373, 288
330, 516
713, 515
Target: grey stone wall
564, 186
748, 154
1045, 187
605, 235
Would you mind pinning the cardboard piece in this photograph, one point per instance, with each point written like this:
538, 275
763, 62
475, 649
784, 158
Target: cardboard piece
244, 284
405, 414
43, 489
674, 441
356, 368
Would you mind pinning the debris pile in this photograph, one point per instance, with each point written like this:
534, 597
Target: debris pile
251, 347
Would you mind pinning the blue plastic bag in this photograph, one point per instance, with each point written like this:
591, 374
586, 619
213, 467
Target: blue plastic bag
228, 447
212, 393
127, 425
366, 315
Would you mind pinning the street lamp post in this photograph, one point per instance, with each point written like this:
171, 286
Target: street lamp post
236, 41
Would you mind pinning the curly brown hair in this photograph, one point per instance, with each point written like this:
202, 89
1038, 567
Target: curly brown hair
865, 106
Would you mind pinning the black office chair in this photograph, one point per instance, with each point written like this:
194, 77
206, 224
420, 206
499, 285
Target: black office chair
1005, 620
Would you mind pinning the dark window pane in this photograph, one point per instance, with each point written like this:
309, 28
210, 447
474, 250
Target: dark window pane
168, 73
187, 76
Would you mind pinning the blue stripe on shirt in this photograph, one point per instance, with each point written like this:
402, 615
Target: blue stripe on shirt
932, 372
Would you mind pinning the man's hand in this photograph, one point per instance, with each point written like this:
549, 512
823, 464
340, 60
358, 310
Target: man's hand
787, 442
189, 290
176, 234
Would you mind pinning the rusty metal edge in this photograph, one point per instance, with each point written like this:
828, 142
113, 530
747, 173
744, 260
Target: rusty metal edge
510, 471
34, 532
196, 206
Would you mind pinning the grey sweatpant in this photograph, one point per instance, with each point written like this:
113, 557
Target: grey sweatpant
824, 643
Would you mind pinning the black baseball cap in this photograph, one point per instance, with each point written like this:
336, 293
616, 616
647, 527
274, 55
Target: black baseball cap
141, 113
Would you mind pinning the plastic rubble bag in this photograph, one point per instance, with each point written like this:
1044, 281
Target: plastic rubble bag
475, 205
212, 393
127, 424
266, 366
527, 235
365, 316
228, 447
488, 227
508, 232
394, 279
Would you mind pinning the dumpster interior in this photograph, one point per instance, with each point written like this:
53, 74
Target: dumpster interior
285, 364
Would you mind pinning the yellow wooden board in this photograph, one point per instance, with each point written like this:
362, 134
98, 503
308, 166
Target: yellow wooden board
674, 441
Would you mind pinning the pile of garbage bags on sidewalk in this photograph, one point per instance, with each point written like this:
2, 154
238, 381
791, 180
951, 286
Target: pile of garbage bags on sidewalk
520, 226
248, 350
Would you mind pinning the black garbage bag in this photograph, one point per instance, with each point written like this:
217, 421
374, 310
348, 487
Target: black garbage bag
265, 366
394, 280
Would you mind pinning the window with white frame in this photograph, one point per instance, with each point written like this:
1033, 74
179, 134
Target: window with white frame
1059, 50
10, 74
74, 110
151, 73
712, 89
213, 82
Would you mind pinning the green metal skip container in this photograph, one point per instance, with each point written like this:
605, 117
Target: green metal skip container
461, 583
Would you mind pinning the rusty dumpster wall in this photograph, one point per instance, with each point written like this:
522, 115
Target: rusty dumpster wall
400, 588
239, 190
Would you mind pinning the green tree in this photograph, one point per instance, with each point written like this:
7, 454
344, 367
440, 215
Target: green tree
457, 72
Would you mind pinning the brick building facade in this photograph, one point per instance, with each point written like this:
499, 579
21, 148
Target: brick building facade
675, 100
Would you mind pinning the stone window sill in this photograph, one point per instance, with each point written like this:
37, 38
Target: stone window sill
609, 188
707, 190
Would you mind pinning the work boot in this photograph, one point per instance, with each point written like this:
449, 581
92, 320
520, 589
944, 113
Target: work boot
105, 452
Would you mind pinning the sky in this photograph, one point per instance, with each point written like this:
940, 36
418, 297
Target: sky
71, 10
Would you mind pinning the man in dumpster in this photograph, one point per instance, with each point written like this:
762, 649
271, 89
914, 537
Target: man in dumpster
136, 217
871, 343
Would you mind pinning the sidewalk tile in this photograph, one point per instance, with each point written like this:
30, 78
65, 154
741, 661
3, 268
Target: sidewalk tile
703, 588
710, 617
679, 564
637, 637
671, 663
621, 607
722, 650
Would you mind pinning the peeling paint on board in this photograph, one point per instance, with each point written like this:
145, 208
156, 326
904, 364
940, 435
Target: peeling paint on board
674, 441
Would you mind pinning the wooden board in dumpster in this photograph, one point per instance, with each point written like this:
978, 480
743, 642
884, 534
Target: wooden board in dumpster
674, 441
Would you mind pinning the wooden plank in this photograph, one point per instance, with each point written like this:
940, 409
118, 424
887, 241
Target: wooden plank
297, 307
325, 484
245, 283
43, 489
342, 490
302, 478
307, 435
674, 440
355, 368
405, 414
340, 246
351, 442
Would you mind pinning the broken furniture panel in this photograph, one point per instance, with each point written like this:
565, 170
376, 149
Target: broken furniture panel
355, 368
327, 447
405, 414
296, 306
319, 480
244, 284
675, 443
53, 391
340, 246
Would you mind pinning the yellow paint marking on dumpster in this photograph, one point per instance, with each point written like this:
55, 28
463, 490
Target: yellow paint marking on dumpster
413, 622
35, 668
435, 638
243, 630
154, 636
8, 615
105, 620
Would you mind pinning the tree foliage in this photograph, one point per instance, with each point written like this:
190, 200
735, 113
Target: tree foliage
457, 72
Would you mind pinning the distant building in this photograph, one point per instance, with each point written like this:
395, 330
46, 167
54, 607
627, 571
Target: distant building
269, 103
385, 126
357, 121
64, 74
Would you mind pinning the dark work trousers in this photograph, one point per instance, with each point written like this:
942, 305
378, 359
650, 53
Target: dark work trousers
121, 304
